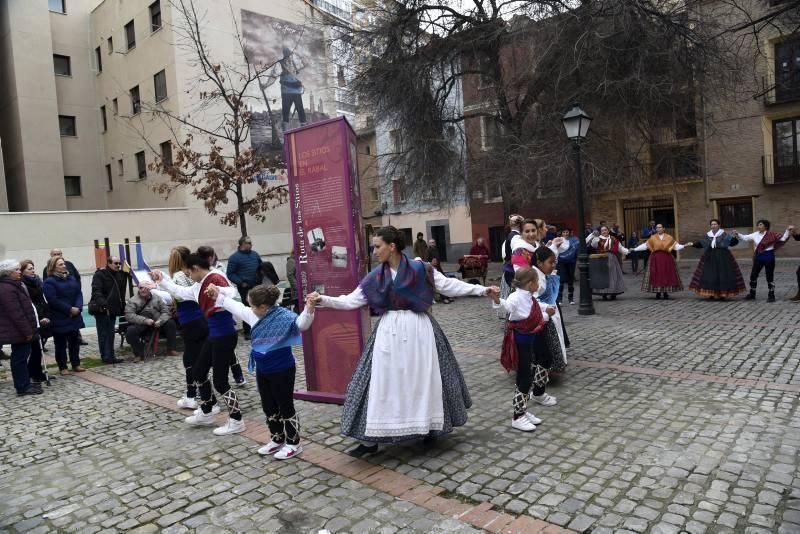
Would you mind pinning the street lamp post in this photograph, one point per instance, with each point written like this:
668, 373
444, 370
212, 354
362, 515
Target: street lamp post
576, 123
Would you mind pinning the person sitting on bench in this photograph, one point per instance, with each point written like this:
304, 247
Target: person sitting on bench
146, 312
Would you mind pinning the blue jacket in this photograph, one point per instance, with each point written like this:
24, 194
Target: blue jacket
244, 267
571, 255
63, 294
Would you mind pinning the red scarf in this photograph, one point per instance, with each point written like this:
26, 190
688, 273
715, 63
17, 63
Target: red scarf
509, 357
770, 239
207, 304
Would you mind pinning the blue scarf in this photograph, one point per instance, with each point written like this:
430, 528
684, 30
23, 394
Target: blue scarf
275, 330
411, 289
550, 295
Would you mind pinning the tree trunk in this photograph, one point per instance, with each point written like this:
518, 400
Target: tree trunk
240, 209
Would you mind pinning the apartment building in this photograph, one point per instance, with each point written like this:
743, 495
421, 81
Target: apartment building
85, 86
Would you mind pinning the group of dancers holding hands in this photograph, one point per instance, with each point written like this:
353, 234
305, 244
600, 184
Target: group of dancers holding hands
407, 383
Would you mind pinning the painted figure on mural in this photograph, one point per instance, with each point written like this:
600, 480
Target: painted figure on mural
291, 87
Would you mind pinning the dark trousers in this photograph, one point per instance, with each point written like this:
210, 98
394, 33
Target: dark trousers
798, 280
646, 257
105, 335
20, 352
243, 291
216, 354
137, 334
72, 341
566, 271
194, 336
769, 266
634, 256
276, 391
287, 100
35, 361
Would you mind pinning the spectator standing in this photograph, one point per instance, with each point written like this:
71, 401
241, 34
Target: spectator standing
566, 266
147, 313
420, 247
108, 303
647, 231
72, 270
63, 293
36, 293
633, 242
244, 270
17, 325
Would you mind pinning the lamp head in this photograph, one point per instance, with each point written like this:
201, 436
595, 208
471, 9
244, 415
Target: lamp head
576, 123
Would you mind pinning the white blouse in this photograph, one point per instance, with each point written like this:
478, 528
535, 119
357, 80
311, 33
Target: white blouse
517, 307
449, 287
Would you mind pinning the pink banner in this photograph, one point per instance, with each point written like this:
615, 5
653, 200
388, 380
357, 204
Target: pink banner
329, 250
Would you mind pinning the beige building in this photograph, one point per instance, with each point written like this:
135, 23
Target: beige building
79, 81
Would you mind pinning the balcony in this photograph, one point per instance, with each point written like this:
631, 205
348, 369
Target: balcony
779, 174
775, 94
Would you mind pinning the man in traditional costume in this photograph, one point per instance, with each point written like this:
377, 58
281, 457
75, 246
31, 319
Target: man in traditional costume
717, 274
766, 243
661, 275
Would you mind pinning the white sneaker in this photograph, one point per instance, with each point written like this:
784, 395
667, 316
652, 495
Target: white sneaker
533, 419
201, 419
231, 426
523, 423
187, 403
270, 448
288, 451
214, 410
545, 400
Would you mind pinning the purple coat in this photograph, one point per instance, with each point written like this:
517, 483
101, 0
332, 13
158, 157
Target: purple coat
17, 320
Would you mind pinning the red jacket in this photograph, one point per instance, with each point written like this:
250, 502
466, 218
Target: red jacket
17, 319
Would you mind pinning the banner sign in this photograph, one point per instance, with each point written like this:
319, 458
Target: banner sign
328, 250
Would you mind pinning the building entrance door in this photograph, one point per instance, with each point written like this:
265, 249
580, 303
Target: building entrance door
497, 236
438, 233
638, 214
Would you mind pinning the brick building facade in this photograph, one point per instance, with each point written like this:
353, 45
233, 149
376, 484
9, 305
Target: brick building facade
743, 162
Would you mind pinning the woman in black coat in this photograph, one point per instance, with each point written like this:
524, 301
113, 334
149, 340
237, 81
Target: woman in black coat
36, 292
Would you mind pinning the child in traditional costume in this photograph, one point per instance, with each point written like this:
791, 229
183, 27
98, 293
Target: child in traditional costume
274, 330
219, 347
605, 269
554, 339
661, 275
766, 243
194, 328
525, 324
717, 274
407, 384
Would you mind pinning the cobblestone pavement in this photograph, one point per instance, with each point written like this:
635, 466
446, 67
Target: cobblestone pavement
673, 416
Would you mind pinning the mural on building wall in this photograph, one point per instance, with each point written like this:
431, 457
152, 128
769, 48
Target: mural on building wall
294, 91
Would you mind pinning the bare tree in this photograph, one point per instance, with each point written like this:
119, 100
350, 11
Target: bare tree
224, 165
638, 66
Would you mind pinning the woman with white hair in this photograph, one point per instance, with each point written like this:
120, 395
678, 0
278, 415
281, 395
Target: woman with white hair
17, 325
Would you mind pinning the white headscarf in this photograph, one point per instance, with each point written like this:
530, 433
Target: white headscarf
714, 237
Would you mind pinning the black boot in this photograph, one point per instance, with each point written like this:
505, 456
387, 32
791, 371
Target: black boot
751, 295
658, 296
771, 296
